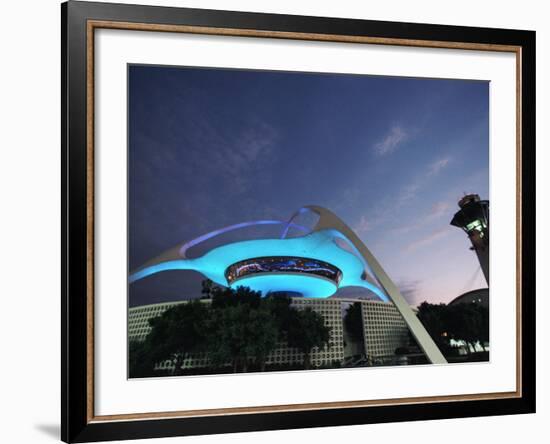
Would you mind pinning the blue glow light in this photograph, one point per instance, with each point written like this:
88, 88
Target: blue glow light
318, 245
307, 285
238, 226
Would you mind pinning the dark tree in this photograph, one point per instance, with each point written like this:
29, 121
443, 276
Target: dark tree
208, 289
238, 328
228, 297
243, 329
308, 330
227, 341
484, 325
466, 322
264, 336
140, 364
353, 321
282, 312
178, 332
433, 317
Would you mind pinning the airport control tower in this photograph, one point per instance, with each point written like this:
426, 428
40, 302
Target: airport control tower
473, 218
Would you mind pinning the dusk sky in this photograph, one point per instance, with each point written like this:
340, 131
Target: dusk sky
391, 156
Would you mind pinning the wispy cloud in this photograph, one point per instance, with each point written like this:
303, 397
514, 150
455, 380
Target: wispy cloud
410, 190
391, 141
427, 240
405, 194
410, 290
251, 149
439, 209
439, 165
363, 225
232, 155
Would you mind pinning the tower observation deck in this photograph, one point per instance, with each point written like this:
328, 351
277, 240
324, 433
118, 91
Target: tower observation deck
473, 218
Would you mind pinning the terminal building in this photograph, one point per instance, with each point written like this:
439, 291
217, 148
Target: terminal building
384, 331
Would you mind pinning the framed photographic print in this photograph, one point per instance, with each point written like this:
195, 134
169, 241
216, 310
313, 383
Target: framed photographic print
276, 221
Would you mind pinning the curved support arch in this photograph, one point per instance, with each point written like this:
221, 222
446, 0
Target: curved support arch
289, 224
329, 221
205, 237
169, 259
359, 282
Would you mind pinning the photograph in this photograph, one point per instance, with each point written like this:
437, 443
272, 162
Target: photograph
304, 221
266, 222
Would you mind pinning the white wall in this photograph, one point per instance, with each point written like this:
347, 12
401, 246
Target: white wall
30, 208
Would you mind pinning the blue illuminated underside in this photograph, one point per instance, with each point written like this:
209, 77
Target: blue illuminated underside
307, 285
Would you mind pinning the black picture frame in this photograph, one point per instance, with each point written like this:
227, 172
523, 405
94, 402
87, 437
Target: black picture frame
77, 425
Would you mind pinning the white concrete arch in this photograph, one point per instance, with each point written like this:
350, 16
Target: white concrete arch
329, 221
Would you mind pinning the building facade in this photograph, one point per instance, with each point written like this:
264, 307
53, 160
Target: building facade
138, 319
384, 330
479, 296
330, 309
138, 329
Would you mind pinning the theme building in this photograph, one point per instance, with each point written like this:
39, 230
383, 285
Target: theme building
323, 259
